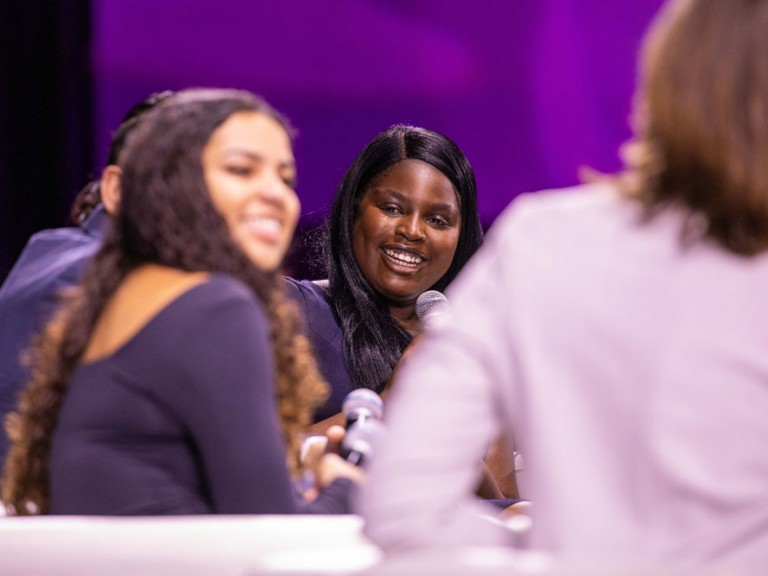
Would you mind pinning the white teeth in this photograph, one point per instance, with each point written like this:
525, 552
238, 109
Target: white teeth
262, 223
405, 258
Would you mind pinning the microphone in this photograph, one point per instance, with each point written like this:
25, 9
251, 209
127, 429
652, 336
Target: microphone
362, 406
357, 446
363, 409
431, 307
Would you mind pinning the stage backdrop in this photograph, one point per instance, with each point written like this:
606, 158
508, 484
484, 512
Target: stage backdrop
530, 89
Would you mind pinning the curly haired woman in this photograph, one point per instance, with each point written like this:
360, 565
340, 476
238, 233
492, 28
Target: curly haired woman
175, 379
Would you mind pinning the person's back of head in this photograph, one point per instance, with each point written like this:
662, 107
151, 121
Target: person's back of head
90, 196
701, 120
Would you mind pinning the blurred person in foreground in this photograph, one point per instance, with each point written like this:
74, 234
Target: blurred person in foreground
52, 261
619, 330
175, 379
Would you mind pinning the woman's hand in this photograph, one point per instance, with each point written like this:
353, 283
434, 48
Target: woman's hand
320, 455
332, 466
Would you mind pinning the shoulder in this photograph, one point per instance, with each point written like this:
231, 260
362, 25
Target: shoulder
562, 202
315, 303
228, 287
211, 319
313, 288
309, 294
553, 213
160, 300
217, 292
52, 259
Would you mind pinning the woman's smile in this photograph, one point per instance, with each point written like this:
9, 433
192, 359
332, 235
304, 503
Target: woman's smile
406, 231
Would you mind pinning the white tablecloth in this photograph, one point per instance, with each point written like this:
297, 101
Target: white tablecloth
184, 546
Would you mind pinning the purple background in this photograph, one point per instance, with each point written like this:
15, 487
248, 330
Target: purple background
530, 89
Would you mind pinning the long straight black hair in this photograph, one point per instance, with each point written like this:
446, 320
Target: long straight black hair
373, 339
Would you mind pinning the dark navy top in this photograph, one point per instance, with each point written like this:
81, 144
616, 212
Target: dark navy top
51, 261
327, 340
182, 419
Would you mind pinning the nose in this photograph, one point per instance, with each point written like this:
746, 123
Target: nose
411, 228
274, 189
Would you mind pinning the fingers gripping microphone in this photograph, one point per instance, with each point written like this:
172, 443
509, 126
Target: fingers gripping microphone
362, 405
358, 444
431, 307
363, 410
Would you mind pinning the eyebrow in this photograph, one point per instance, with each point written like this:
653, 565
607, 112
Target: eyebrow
439, 206
255, 156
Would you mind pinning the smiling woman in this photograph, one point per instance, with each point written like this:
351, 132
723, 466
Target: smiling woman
251, 151
405, 234
404, 220
175, 379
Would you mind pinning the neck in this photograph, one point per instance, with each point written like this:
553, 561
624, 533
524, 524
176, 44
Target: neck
406, 317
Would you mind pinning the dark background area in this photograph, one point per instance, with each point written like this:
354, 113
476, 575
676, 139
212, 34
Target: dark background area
531, 90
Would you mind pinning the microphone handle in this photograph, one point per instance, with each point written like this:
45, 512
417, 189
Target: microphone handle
355, 457
360, 419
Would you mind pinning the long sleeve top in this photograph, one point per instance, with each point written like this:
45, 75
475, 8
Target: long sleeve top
631, 367
182, 419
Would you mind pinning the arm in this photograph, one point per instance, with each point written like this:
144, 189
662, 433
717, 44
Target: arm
497, 476
320, 428
227, 401
499, 465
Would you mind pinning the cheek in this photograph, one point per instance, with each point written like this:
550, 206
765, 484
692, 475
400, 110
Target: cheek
371, 227
223, 198
448, 250
361, 233
215, 194
358, 244
294, 211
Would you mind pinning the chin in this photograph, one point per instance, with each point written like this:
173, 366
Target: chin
262, 262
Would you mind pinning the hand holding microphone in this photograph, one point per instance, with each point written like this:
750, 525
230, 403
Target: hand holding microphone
343, 450
363, 410
324, 464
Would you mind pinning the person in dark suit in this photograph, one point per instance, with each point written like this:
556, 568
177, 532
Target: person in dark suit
52, 261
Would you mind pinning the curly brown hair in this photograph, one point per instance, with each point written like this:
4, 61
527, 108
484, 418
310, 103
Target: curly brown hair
166, 217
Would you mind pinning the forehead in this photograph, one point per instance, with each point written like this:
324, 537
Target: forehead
254, 132
415, 180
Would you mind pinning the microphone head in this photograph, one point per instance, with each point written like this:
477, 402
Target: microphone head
430, 305
363, 401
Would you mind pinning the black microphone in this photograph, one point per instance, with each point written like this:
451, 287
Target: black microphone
357, 446
431, 307
362, 406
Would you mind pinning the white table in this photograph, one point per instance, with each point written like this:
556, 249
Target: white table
184, 546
